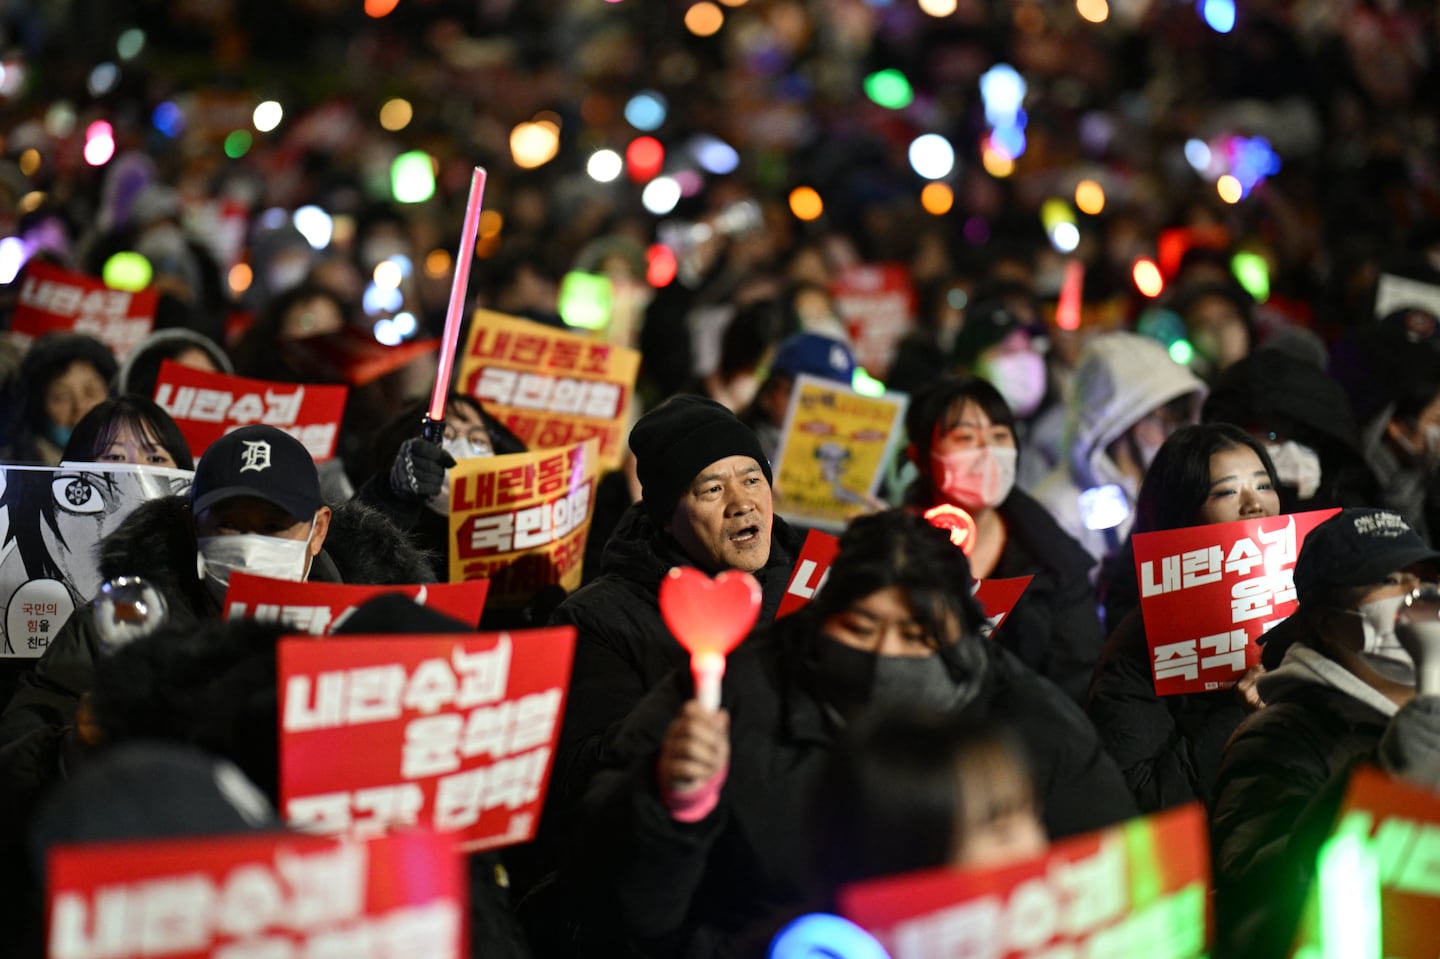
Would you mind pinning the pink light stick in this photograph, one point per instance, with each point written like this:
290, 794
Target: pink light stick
434, 427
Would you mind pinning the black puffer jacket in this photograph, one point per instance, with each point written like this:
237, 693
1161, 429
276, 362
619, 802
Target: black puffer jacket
623, 648
157, 543
664, 888
1055, 628
1168, 747
1281, 783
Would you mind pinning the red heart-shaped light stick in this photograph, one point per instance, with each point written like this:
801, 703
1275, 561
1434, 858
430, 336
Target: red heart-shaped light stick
709, 617
960, 525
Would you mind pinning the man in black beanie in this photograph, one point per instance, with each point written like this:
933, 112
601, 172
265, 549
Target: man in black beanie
706, 502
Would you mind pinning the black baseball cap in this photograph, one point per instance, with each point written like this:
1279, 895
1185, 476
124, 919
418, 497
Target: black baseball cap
259, 461
1357, 547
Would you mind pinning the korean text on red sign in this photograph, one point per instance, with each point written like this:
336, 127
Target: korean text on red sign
53, 299
399, 731
316, 608
1139, 889
207, 405
551, 387
1208, 593
277, 895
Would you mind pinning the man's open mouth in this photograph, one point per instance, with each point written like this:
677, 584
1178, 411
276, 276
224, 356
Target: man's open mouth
747, 534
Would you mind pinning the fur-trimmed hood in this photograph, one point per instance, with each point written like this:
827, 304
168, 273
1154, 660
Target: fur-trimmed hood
157, 542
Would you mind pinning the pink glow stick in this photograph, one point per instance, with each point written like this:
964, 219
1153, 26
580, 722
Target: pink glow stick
434, 426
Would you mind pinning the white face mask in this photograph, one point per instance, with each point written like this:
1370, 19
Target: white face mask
975, 479
1382, 651
270, 556
1020, 377
460, 448
1297, 466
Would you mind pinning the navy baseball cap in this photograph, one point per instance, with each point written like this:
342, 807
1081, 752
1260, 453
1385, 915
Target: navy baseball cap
1357, 547
259, 461
815, 355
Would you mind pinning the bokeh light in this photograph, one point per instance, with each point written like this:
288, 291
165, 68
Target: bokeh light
604, 166
890, 89
660, 195
1219, 15
644, 158
660, 265
704, 19
932, 156
315, 225
13, 254
437, 263
412, 177
1095, 11
534, 144
102, 79
267, 116
491, 223
1197, 154
130, 43
169, 119
806, 204
380, 8
1253, 273
997, 164
1229, 188
239, 278
938, 8
1065, 237
127, 270
1147, 277
1089, 197
30, 161
715, 155
937, 199
238, 143
388, 275
99, 143
646, 110
396, 114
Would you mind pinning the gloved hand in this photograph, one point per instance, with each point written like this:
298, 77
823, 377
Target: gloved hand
1418, 628
419, 470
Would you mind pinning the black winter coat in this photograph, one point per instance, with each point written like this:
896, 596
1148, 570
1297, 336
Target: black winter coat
1168, 747
1055, 628
623, 648
1280, 785
664, 888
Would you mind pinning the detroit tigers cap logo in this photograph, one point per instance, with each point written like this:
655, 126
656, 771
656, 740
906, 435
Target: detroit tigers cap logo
255, 456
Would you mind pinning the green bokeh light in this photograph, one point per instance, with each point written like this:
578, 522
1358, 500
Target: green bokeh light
238, 143
586, 300
865, 384
1182, 352
412, 177
890, 89
1253, 273
128, 271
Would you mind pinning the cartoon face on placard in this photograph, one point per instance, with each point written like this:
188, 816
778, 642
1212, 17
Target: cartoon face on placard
53, 520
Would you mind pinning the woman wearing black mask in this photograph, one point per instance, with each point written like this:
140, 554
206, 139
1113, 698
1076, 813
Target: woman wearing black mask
698, 832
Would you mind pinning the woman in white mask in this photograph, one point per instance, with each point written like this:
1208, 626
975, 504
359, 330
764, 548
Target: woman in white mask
1340, 692
962, 440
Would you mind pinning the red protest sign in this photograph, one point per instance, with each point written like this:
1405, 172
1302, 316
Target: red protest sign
1138, 889
315, 607
997, 596
877, 304
54, 299
277, 895
1207, 594
1400, 823
453, 733
354, 354
207, 405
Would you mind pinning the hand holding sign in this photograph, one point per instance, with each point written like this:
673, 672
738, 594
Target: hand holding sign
709, 618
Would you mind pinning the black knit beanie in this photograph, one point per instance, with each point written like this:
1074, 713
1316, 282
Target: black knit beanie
677, 439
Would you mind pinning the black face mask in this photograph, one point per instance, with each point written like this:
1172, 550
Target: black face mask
852, 680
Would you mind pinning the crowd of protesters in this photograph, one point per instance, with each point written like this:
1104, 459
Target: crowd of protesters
1055, 395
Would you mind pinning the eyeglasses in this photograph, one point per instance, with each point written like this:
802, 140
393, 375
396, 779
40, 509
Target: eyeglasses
477, 436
